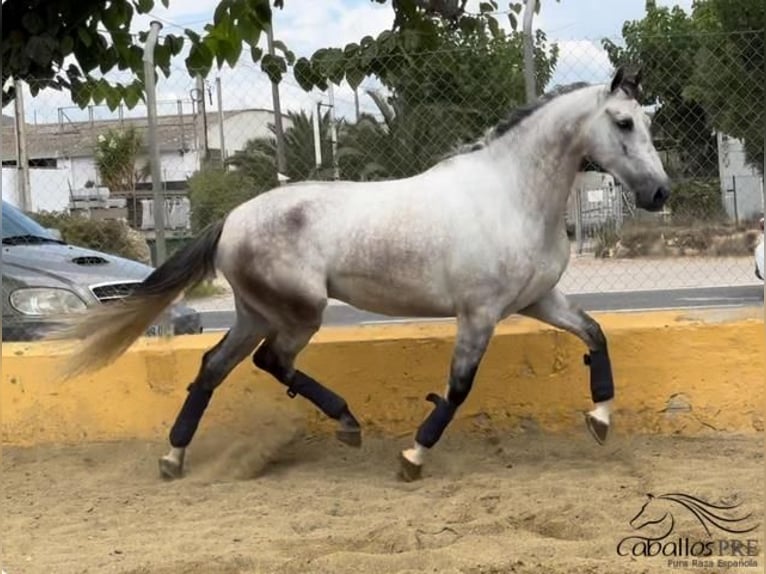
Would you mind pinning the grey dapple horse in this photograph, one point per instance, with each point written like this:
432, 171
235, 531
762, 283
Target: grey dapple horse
479, 236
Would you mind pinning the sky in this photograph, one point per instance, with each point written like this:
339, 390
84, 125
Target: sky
306, 25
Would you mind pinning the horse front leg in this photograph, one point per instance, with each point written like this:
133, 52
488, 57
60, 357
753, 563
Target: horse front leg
474, 332
556, 310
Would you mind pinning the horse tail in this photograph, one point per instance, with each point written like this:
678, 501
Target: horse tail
106, 331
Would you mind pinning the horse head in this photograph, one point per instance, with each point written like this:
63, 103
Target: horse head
618, 138
652, 512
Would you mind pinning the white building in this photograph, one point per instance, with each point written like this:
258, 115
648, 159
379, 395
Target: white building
62, 155
741, 183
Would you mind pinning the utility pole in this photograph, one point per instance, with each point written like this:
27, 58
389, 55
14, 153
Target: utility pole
529, 52
281, 159
203, 110
333, 133
356, 104
317, 136
154, 153
24, 193
219, 96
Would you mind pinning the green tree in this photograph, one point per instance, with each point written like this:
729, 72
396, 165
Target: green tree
704, 71
213, 192
443, 90
116, 153
410, 139
665, 44
730, 73
258, 160
38, 35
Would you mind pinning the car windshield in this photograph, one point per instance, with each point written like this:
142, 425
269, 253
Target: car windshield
18, 225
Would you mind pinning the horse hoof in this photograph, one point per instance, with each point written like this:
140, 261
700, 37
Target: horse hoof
409, 471
598, 428
351, 437
170, 469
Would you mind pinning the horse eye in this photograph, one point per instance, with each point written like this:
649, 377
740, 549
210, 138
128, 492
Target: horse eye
625, 124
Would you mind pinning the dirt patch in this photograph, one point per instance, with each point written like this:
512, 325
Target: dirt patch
284, 502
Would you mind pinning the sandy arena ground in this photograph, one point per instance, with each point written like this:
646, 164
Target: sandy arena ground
283, 502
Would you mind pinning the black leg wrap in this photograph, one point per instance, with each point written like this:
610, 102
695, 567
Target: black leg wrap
601, 381
328, 402
188, 418
431, 429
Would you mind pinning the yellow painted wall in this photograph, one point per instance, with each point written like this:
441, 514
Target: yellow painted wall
710, 364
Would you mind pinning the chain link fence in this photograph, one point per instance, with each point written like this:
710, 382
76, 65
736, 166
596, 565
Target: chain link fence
88, 183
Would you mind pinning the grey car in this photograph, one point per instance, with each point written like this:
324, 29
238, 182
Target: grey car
44, 276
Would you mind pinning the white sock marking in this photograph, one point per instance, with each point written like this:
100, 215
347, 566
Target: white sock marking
176, 455
415, 455
603, 411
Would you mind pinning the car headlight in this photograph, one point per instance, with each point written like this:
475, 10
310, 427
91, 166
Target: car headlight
42, 301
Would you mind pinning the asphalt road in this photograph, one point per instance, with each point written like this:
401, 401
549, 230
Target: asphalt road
705, 297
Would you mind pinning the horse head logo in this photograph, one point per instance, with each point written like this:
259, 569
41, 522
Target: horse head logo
658, 510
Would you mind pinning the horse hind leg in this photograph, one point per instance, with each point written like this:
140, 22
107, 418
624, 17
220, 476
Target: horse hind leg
217, 363
277, 355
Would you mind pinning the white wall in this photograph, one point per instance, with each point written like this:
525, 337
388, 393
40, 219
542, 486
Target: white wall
49, 187
177, 167
81, 170
174, 167
240, 128
740, 182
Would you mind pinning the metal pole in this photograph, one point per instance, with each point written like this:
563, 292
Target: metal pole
578, 220
529, 52
356, 105
203, 110
154, 153
180, 107
281, 159
220, 121
333, 133
317, 137
24, 193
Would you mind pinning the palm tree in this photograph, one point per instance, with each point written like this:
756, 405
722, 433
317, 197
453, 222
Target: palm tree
411, 138
259, 157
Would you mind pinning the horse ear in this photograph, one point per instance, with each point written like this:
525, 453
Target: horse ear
617, 80
631, 83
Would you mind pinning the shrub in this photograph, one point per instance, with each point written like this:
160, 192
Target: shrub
606, 237
214, 192
697, 199
110, 236
708, 240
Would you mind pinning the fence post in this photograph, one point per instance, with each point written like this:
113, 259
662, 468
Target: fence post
333, 132
24, 191
219, 97
202, 110
578, 220
317, 137
154, 153
279, 132
529, 52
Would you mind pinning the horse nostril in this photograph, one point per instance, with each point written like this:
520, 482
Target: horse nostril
661, 195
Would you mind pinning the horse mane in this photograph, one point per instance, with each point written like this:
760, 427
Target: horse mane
518, 114
705, 511
514, 118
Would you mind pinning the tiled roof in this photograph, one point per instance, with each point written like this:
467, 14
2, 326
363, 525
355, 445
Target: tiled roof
77, 139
